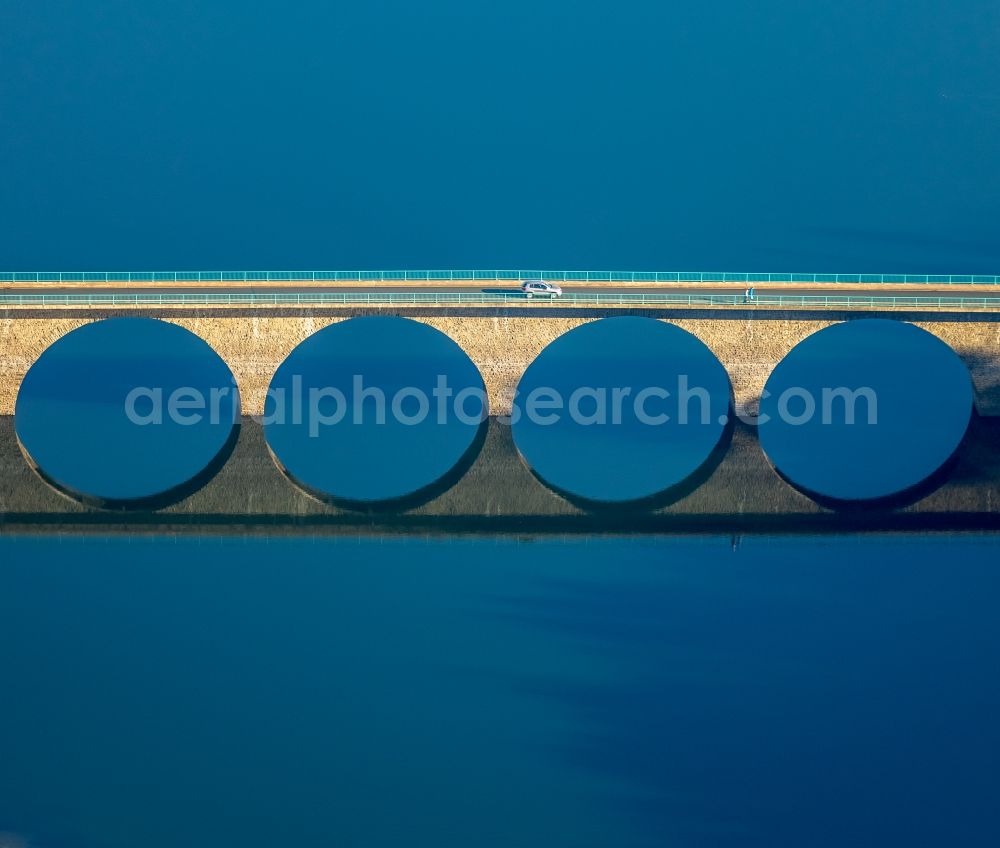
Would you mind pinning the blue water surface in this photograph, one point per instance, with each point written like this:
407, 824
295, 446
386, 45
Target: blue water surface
481, 692
374, 409
621, 409
123, 410
748, 135
865, 409
772, 692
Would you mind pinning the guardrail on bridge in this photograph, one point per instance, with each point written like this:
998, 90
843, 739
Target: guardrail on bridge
495, 299
749, 277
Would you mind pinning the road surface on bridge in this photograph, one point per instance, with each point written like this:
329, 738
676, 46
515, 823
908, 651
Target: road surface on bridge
815, 290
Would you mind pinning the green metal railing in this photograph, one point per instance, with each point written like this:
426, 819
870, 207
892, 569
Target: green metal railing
498, 299
474, 276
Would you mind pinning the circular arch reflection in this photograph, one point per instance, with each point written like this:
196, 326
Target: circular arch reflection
376, 413
866, 412
127, 413
623, 411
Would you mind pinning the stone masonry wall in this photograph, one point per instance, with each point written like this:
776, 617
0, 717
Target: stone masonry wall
502, 346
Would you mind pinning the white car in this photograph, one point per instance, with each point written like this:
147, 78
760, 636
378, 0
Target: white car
540, 288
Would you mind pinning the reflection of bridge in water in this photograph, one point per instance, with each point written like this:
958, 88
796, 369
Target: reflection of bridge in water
498, 494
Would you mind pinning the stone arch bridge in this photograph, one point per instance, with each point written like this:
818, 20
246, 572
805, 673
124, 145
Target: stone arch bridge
498, 492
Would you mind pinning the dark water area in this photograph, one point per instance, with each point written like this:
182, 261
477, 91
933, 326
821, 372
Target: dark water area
126, 411
374, 409
622, 409
865, 410
762, 691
